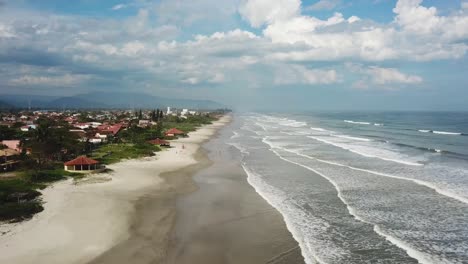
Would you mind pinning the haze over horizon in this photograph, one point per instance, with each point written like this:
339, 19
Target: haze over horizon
249, 54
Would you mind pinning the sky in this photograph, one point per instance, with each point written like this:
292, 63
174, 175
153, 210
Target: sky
247, 54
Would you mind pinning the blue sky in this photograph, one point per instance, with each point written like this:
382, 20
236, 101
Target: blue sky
249, 54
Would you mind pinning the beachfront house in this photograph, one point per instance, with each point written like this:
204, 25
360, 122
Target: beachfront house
12, 144
9, 159
83, 164
160, 142
174, 132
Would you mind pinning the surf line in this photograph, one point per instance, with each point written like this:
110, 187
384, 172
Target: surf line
419, 256
303, 245
419, 182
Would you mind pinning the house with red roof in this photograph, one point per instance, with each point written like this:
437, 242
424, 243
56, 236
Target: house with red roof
12, 144
114, 129
83, 164
160, 142
173, 132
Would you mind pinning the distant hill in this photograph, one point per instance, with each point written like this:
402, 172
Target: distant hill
107, 100
75, 103
24, 101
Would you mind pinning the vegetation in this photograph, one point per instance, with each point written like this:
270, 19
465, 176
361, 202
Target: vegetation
20, 198
187, 125
112, 153
52, 143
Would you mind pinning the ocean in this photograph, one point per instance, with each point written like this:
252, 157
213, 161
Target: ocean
388, 187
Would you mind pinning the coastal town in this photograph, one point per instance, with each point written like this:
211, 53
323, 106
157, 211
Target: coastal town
43, 146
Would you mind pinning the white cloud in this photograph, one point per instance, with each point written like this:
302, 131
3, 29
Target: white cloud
381, 77
288, 41
419, 20
353, 19
118, 7
464, 5
324, 5
6, 31
391, 75
297, 74
133, 48
260, 12
63, 80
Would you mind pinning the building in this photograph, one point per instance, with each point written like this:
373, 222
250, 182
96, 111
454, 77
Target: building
8, 159
114, 129
83, 164
82, 125
27, 128
173, 132
12, 144
160, 142
144, 123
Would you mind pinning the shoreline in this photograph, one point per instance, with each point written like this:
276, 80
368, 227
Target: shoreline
83, 220
226, 220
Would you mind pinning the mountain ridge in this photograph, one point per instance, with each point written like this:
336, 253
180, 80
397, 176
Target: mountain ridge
103, 100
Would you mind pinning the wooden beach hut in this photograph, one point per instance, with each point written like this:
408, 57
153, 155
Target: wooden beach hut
83, 164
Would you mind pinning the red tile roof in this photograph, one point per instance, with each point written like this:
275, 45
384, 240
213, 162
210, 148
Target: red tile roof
82, 160
175, 131
159, 142
114, 128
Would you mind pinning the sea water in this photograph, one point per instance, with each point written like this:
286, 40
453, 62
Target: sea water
363, 187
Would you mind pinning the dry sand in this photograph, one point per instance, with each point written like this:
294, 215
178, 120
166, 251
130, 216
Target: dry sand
82, 221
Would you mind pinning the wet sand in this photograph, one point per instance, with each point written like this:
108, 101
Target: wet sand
225, 220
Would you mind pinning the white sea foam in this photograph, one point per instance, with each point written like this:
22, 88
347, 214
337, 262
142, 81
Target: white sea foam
318, 129
377, 124
425, 131
239, 147
447, 133
357, 122
297, 133
421, 257
359, 150
419, 182
293, 123
353, 138
274, 197
236, 135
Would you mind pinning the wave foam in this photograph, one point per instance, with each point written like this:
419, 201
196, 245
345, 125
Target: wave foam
356, 122
420, 256
368, 155
419, 182
353, 138
262, 188
447, 133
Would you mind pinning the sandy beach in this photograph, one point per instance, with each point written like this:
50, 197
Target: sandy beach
83, 220
188, 204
